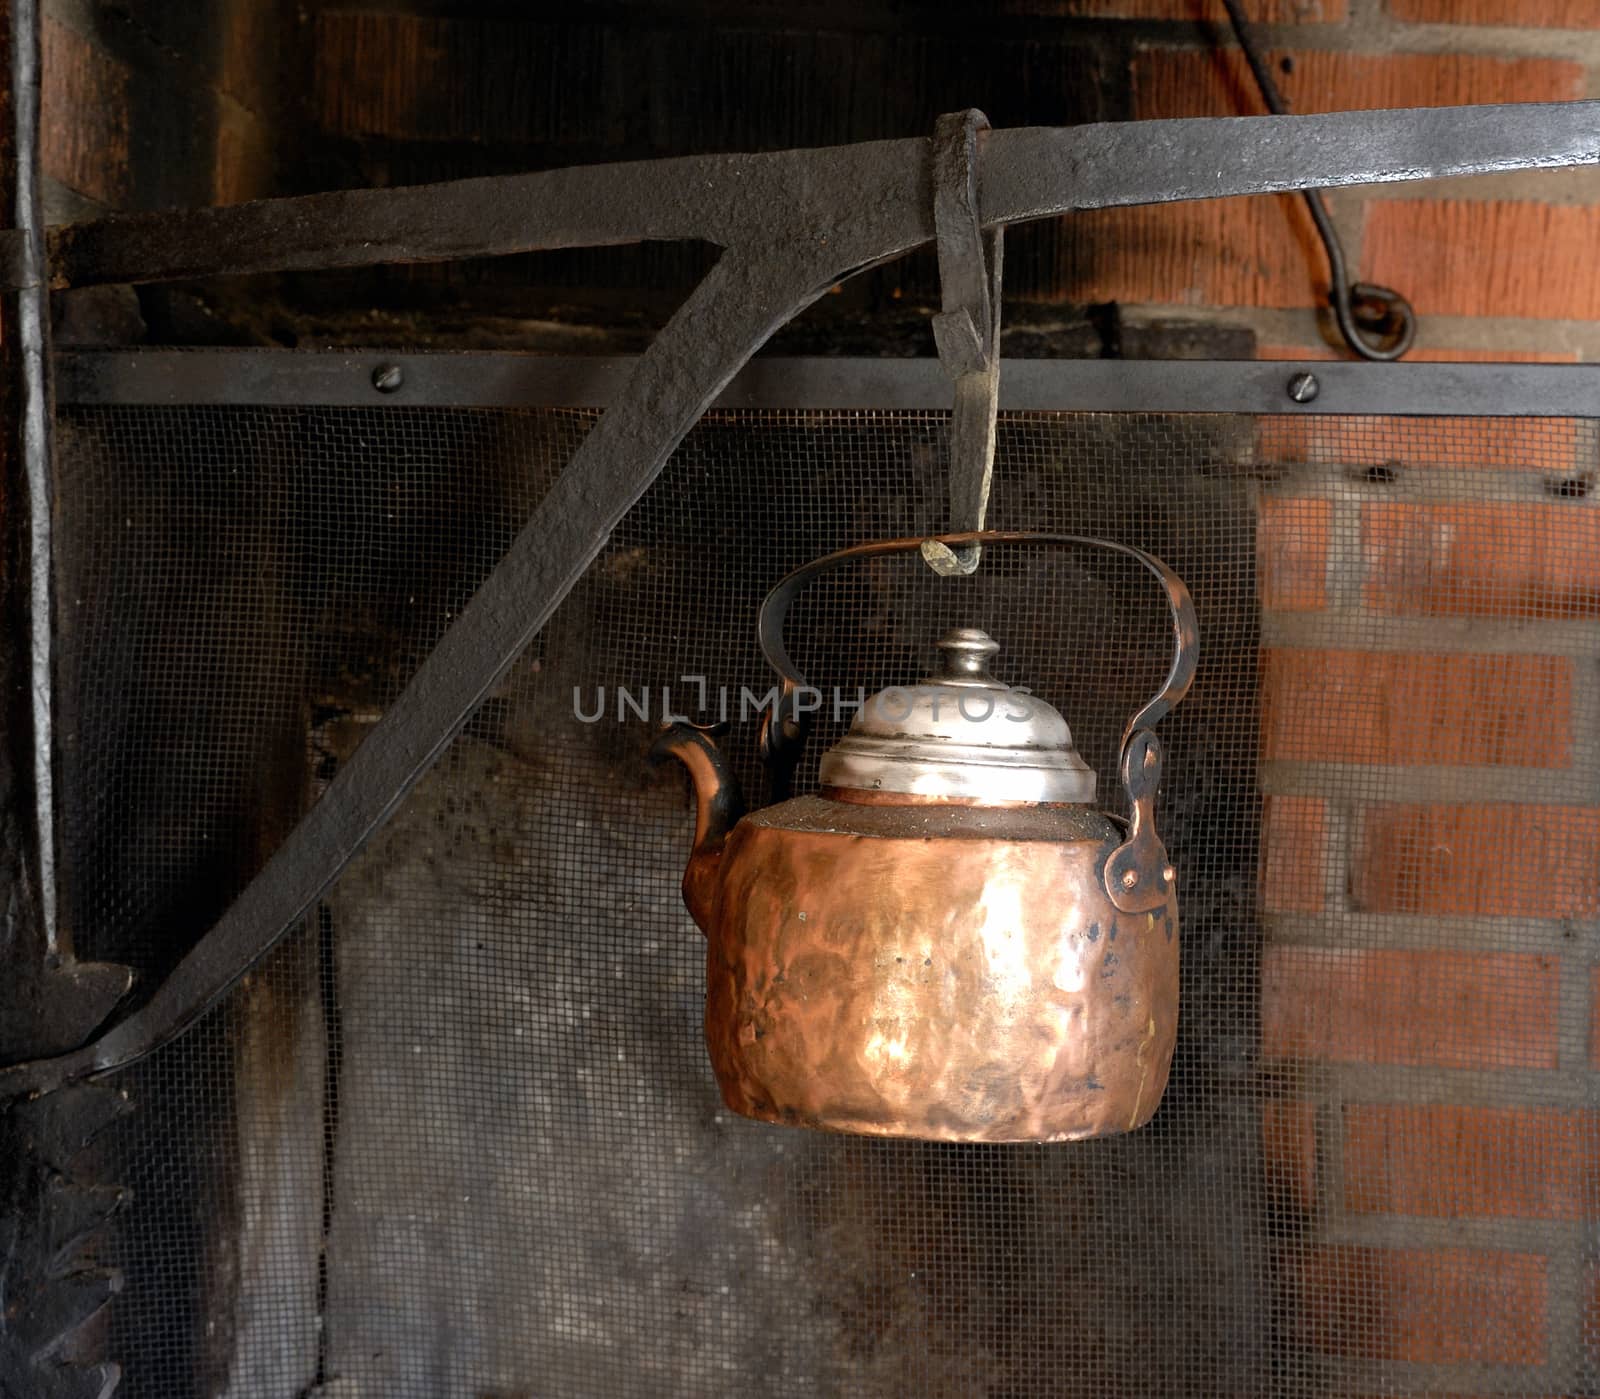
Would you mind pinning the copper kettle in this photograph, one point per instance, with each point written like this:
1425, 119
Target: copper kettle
948, 940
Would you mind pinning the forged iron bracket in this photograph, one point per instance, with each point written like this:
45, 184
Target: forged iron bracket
967, 330
791, 224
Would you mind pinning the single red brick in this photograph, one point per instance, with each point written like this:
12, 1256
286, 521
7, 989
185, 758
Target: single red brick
1210, 82
1461, 444
1452, 1009
1531, 14
1292, 552
1441, 1160
1489, 257
1505, 859
1260, 251
1427, 1306
1409, 709
1289, 1149
1293, 854
83, 130
1482, 560
1419, 354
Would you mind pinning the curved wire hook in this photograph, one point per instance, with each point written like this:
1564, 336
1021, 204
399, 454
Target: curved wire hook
1359, 307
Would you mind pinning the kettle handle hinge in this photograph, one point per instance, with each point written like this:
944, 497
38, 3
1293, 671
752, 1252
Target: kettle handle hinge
1138, 877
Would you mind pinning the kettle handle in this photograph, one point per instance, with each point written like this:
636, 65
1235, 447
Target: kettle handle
1137, 871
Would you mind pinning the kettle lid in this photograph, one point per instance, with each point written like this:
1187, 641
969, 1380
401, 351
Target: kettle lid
961, 735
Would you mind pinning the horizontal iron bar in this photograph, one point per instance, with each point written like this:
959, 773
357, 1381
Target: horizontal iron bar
872, 196
1034, 172
476, 380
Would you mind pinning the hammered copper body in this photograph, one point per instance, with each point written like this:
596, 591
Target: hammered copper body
954, 973
949, 942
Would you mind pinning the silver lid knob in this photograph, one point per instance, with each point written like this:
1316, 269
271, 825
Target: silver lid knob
964, 655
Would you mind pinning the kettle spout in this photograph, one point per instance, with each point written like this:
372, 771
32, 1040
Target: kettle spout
718, 804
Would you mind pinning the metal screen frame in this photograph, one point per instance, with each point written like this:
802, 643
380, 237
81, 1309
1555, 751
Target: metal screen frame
1258, 465
340, 379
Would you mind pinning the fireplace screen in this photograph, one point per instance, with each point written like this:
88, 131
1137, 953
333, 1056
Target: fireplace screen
458, 1136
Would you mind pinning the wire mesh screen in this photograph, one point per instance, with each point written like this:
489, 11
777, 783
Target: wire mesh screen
459, 1135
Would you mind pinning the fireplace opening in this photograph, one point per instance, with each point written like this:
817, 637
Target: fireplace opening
457, 1133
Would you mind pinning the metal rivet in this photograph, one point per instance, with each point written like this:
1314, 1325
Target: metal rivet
1130, 878
1169, 874
1303, 387
386, 378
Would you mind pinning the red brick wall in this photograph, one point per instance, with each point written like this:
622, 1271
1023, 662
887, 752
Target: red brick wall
1430, 863
1430, 867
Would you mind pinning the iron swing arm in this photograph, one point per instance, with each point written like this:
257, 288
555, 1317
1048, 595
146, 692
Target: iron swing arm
791, 225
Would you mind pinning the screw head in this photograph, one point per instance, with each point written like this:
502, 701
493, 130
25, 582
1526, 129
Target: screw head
386, 378
1303, 387
1129, 878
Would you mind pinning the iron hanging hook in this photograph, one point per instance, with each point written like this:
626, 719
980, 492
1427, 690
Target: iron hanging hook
967, 330
1358, 307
